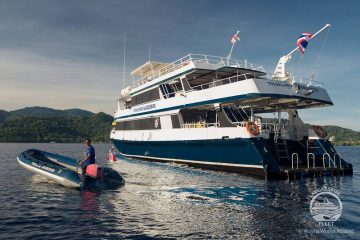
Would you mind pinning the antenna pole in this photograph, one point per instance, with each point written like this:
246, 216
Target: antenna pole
124, 61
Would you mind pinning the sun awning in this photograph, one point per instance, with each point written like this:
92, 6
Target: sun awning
148, 68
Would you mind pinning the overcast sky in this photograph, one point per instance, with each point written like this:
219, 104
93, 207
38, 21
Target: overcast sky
69, 54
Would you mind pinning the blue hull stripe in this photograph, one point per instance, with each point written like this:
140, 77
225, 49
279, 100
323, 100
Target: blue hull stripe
189, 161
226, 99
244, 153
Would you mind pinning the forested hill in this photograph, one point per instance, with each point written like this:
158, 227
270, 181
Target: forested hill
42, 112
39, 124
343, 136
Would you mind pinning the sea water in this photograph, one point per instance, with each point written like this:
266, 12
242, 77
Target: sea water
169, 201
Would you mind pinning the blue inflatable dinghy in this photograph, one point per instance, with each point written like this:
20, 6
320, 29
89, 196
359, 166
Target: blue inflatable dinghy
65, 170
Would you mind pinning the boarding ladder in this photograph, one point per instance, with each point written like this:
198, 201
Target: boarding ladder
282, 150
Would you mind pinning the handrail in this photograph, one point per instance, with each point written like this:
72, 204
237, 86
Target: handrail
308, 159
236, 79
310, 81
292, 160
304, 80
330, 160
337, 154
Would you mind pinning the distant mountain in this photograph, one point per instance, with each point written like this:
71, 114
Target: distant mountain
77, 112
49, 112
42, 112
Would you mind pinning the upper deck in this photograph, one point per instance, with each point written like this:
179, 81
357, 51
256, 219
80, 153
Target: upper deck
199, 80
152, 73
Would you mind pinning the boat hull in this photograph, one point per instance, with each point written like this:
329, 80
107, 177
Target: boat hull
247, 156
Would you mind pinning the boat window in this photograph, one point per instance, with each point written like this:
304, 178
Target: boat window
128, 104
139, 124
236, 114
186, 85
147, 96
199, 116
167, 90
175, 121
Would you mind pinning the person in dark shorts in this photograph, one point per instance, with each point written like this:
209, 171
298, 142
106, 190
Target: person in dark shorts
90, 156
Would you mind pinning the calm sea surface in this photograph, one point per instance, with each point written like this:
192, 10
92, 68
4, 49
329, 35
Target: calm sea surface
169, 201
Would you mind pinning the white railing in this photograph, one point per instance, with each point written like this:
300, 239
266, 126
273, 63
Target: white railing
339, 157
294, 157
196, 58
330, 160
223, 81
308, 159
308, 81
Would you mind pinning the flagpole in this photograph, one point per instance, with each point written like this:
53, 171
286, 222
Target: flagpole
229, 56
313, 36
232, 47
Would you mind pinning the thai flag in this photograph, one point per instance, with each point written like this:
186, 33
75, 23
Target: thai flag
303, 41
235, 38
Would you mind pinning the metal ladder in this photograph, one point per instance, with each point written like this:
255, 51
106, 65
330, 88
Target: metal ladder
310, 148
282, 150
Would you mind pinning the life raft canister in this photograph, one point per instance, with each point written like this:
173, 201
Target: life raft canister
320, 131
252, 128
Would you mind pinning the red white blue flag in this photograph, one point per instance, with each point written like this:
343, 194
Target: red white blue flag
303, 41
235, 38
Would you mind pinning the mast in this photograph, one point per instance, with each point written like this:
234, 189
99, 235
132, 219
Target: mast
279, 73
124, 61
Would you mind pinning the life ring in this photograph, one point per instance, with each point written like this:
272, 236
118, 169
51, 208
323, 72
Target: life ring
320, 131
252, 128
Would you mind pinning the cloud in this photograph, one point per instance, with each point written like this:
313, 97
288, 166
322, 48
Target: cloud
28, 79
66, 54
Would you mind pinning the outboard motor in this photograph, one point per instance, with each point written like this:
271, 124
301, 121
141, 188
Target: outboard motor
94, 171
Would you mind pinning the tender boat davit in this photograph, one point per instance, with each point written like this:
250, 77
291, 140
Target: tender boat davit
66, 171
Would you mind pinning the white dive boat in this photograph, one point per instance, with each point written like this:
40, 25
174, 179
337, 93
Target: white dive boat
207, 111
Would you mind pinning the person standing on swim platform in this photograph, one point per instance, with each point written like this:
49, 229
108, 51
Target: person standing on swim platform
90, 156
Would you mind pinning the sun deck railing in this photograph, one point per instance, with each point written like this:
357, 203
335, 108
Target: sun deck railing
196, 58
223, 81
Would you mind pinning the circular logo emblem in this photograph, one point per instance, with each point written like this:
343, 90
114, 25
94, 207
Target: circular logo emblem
156, 122
326, 207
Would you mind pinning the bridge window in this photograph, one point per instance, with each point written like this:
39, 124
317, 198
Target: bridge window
139, 124
147, 96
